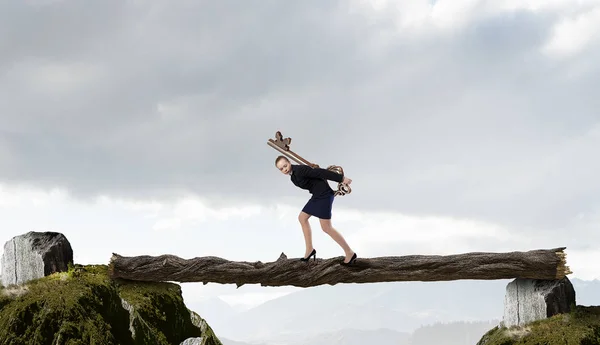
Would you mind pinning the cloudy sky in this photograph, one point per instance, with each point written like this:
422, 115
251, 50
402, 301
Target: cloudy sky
140, 127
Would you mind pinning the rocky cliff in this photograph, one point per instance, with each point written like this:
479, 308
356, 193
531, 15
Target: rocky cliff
47, 300
544, 312
83, 306
580, 326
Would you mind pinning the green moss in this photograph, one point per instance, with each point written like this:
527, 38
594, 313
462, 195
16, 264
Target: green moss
83, 306
581, 326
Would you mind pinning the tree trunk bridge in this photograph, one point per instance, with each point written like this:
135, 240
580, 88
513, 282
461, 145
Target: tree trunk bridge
545, 264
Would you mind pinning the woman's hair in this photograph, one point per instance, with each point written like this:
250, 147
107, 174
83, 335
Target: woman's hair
280, 158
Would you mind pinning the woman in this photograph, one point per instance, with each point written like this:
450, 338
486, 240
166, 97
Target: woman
319, 205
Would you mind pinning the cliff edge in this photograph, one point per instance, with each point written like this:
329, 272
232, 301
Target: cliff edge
83, 306
580, 326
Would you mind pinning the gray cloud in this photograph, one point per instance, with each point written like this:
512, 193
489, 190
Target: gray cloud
144, 99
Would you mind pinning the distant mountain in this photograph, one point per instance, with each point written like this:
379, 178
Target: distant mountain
216, 311
399, 307
288, 329
587, 292
226, 341
454, 333
358, 337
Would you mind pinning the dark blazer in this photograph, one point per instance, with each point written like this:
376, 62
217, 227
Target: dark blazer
314, 179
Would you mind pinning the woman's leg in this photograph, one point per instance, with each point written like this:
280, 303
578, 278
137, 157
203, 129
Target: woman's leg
303, 218
331, 231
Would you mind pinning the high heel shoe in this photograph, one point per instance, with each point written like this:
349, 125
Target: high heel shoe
352, 259
313, 253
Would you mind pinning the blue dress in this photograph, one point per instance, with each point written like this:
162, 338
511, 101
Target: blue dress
315, 181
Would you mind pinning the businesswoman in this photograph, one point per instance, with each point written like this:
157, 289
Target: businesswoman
319, 205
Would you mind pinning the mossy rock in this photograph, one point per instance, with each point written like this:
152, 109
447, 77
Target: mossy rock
581, 326
83, 306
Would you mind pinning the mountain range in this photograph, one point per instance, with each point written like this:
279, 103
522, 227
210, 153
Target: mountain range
345, 313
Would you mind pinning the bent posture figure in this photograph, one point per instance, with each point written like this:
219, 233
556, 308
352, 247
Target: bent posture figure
319, 205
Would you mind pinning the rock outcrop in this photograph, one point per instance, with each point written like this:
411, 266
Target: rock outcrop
580, 326
85, 306
46, 299
35, 255
529, 300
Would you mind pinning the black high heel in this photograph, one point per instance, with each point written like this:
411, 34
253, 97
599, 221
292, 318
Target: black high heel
313, 253
352, 259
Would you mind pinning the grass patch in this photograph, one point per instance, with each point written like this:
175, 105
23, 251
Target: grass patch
581, 326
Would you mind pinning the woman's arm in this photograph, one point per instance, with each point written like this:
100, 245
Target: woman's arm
321, 173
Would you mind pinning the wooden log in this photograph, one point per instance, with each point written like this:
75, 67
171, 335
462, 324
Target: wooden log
547, 264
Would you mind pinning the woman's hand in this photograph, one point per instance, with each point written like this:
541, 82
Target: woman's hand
347, 181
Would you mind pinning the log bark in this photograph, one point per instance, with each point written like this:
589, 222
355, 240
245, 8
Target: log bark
549, 264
